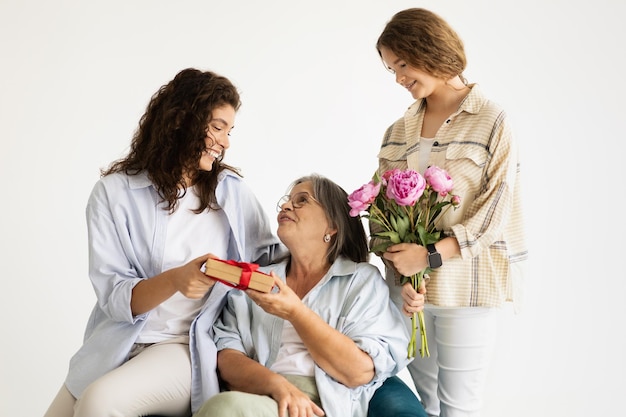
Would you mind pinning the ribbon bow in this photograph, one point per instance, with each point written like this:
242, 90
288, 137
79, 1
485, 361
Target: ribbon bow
246, 272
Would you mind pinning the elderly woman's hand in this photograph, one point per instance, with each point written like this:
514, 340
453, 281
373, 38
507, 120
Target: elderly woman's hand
413, 300
291, 401
283, 303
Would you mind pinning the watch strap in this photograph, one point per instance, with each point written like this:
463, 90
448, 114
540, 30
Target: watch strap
434, 257
431, 248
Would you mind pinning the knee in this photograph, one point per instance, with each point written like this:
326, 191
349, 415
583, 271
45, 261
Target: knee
224, 403
395, 398
96, 400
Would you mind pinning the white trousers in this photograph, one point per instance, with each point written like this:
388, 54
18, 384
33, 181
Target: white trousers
451, 381
155, 381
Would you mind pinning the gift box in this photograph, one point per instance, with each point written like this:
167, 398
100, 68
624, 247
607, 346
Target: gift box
239, 275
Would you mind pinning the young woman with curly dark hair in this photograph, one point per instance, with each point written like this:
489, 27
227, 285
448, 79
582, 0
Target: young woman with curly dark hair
154, 218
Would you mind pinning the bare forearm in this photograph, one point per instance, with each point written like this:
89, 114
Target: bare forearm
448, 247
187, 279
244, 374
331, 350
149, 293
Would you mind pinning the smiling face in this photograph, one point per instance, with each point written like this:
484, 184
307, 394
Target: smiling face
217, 135
302, 220
419, 83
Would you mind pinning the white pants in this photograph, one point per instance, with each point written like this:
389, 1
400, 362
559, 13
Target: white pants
451, 381
155, 381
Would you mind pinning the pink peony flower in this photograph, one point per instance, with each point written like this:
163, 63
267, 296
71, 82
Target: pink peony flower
455, 200
362, 198
439, 180
405, 187
388, 174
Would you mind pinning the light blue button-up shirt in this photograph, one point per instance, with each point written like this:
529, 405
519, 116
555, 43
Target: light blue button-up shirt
352, 298
127, 227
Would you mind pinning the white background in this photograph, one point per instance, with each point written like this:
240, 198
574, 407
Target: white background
76, 76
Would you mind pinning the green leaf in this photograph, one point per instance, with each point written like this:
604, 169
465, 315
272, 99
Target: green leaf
402, 226
410, 238
436, 210
382, 247
391, 235
405, 220
394, 222
432, 238
440, 205
421, 233
375, 220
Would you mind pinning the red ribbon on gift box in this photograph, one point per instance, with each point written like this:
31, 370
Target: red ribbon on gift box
246, 272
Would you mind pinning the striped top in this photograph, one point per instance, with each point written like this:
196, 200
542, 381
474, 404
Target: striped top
476, 146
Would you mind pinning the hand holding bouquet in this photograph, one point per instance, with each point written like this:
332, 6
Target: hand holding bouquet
407, 206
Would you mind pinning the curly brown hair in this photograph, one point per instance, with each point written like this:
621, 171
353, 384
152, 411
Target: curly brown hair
169, 140
426, 42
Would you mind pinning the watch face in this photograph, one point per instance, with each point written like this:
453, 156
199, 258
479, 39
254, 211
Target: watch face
434, 260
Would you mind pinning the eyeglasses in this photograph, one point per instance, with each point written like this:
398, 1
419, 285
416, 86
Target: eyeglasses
297, 200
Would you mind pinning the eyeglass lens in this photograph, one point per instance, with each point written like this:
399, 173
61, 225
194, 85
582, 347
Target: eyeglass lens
297, 201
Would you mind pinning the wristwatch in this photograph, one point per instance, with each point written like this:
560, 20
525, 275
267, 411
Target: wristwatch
434, 257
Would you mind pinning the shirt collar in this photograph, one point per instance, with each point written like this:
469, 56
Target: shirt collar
470, 104
474, 100
139, 180
341, 267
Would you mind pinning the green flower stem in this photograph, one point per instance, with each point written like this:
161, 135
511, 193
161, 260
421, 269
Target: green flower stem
381, 216
424, 347
412, 344
441, 215
417, 320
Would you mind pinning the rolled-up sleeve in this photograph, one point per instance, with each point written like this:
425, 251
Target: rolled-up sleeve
114, 266
375, 324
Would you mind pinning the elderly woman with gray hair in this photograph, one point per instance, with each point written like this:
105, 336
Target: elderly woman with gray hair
327, 336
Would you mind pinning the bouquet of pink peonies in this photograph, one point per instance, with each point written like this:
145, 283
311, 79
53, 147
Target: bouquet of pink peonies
407, 206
